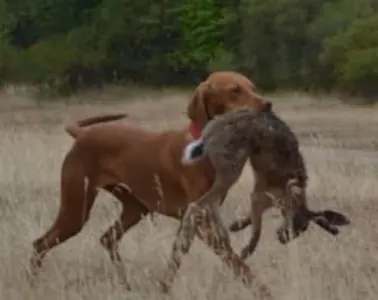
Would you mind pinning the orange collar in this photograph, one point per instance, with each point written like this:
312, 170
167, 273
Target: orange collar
195, 130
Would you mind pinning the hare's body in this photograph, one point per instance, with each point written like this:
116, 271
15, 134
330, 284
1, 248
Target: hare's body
273, 149
280, 173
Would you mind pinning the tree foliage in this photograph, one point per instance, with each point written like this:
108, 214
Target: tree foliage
300, 44
352, 57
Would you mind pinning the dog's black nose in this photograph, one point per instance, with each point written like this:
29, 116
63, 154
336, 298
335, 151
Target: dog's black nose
267, 106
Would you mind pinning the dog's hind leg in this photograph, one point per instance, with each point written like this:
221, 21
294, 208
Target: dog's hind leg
132, 212
77, 198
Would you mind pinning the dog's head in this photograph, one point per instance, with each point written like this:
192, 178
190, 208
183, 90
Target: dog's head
222, 92
297, 216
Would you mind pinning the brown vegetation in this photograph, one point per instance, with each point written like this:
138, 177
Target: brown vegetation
316, 266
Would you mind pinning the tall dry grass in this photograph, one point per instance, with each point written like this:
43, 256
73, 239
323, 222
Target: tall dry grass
317, 266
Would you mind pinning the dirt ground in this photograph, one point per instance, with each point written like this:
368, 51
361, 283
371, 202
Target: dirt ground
339, 144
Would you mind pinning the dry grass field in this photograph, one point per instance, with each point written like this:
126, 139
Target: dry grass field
339, 144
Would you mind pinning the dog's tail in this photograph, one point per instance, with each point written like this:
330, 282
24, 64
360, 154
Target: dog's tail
75, 129
193, 152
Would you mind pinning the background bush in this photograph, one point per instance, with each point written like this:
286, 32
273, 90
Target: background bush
281, 44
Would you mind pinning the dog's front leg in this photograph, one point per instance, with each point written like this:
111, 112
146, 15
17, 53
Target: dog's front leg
181, 246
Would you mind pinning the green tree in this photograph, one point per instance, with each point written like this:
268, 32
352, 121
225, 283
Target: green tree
352, 57
202, 26
276, 48
296, 44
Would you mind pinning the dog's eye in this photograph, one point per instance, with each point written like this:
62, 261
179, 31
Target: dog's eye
236, 89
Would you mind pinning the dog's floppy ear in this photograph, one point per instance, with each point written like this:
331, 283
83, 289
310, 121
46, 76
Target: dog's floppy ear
268, 106
197, 108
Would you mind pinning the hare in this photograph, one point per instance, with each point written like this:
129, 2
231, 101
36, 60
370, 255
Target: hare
228, 141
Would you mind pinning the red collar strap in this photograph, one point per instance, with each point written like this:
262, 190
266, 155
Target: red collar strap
195, 130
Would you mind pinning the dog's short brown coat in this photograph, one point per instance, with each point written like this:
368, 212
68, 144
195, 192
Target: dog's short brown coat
142, 169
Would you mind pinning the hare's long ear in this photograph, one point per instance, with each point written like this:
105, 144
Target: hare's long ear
329, 220
197, 107
335, 218
322, 222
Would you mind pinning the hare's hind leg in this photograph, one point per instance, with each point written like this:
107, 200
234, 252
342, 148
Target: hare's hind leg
227, 173
186, 231
259, 204
225, 252
240, 224
187, 228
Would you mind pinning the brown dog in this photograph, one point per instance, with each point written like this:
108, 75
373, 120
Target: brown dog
142, 169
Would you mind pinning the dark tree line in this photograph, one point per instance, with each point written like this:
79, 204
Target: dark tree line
280, 44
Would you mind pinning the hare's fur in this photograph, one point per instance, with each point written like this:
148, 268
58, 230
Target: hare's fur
261, 137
